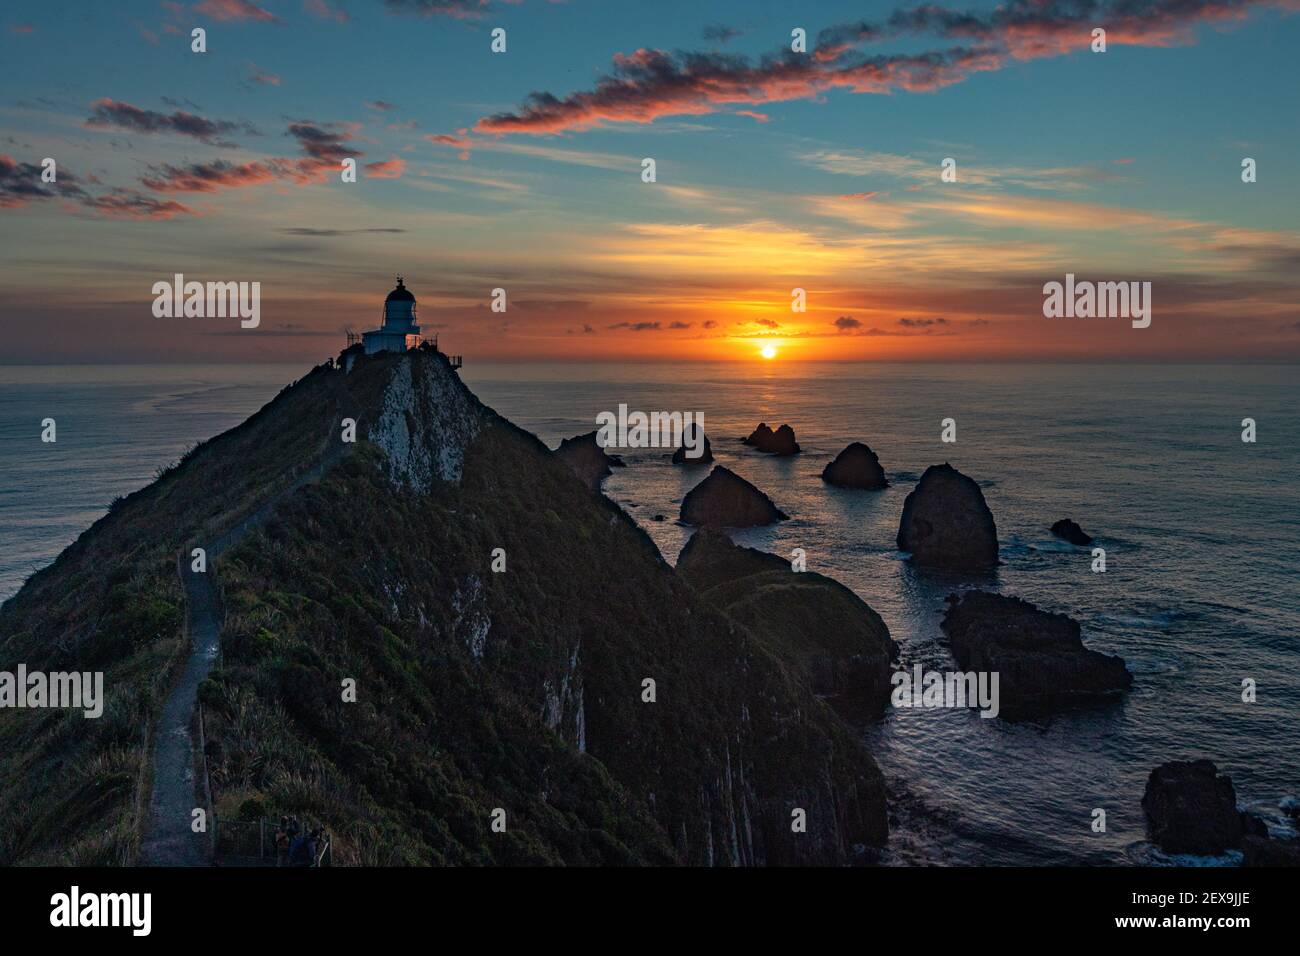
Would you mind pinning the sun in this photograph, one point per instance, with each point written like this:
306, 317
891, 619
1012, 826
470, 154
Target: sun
768, 352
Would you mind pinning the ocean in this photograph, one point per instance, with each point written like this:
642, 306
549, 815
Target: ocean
1201, 532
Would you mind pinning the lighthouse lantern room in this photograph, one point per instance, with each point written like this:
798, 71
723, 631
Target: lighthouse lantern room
398, 331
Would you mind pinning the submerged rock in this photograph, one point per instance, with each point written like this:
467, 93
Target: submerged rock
726, 500
587, 459
841, 646
1192, 808
690, 438
857, 466
1039, 657
779, 442
946, 523
1071, 532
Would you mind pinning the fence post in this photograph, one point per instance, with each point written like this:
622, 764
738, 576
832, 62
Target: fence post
207, 785
261, 839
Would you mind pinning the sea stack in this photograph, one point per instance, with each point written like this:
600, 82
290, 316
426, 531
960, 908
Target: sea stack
725, 500
779, 442
857, 466
1039, 657
1192, 808
946, 523
1071, 532
695, 435
587, 459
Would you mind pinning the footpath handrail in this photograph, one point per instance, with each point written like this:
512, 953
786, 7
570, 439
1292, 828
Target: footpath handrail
263, 848
207, 779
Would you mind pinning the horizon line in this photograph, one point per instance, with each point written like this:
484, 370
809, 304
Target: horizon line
749, 363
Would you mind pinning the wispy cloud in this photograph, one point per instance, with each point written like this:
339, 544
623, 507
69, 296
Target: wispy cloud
719, 33
113, 114
636, 326
465, 144
325, 146
649, 84
208, 177
21, 183
331, 233
262, 77
227, 10
914, 169
130, 204
1036, 28
456, 9
391, 168
325, 10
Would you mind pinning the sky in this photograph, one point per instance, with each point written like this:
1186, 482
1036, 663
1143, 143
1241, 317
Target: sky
774, 169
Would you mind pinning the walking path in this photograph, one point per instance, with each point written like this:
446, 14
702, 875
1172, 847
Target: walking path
169, 839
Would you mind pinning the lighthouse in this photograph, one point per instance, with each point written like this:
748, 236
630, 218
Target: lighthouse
398, 331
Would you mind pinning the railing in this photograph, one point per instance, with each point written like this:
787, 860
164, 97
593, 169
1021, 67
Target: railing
207, 778
431, 342
254, 841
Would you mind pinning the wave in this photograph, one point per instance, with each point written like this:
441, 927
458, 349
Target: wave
1054, 545
1280, 816
1148, 663
1145, 853
1157, 621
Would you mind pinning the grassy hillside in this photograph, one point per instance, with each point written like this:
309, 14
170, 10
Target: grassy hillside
475, 690
112, 602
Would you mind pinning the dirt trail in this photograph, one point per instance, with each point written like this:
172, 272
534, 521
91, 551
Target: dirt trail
169, 839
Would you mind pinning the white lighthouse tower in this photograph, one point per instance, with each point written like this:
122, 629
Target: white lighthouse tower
398, 332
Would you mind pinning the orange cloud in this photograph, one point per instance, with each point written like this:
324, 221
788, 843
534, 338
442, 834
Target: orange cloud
391, 168
648, 84
207, 177
224, 10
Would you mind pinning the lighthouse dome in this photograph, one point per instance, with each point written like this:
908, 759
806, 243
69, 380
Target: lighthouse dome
401, 293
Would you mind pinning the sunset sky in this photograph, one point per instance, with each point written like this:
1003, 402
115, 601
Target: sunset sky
775, 170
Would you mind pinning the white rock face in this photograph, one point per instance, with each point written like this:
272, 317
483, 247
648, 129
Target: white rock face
564, 709
427, 422
472, 622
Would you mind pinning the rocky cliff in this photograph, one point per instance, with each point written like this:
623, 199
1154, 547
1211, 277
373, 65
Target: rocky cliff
514, 640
